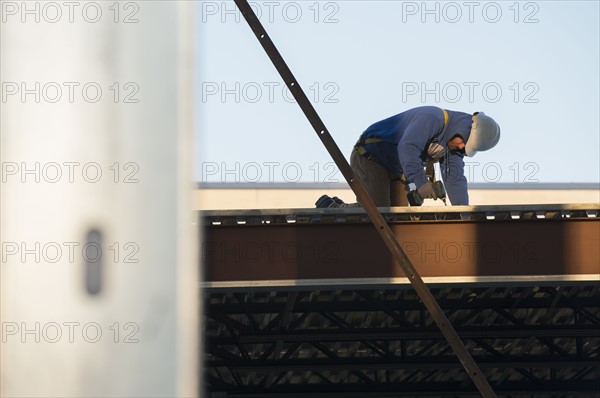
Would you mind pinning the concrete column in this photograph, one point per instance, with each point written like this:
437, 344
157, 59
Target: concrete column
99, 266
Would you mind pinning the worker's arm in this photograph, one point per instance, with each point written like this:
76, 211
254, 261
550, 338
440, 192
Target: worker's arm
412, 144
455, 181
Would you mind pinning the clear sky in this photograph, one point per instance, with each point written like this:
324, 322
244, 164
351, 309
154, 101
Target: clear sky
533, 66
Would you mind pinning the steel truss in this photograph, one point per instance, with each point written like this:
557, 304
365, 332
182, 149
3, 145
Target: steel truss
529, 341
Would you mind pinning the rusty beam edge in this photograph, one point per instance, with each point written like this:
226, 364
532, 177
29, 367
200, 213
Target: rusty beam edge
390, 218
401, 282
410, 210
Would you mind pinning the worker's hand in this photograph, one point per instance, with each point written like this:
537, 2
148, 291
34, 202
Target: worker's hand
426, 191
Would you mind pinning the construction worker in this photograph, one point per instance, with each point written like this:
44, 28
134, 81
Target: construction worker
392, 153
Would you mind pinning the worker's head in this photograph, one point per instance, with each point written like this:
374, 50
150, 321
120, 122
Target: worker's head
485, 134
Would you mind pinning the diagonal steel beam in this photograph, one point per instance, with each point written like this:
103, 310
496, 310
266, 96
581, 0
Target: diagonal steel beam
286, 317
367, 203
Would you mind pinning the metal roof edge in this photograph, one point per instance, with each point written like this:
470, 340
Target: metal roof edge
343, 185
400, 282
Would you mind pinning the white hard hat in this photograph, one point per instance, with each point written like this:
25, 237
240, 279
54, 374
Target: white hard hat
485, 134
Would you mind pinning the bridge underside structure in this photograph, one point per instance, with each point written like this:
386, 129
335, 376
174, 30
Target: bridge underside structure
309, 302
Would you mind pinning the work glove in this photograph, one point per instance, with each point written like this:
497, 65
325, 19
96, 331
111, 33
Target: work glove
426, 191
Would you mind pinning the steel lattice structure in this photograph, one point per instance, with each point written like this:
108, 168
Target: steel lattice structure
530, 341
345, 324
278, 325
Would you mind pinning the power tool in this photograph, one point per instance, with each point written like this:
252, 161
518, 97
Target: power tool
415, 199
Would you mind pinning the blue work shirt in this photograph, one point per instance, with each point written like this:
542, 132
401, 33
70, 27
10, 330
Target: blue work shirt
405, 140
